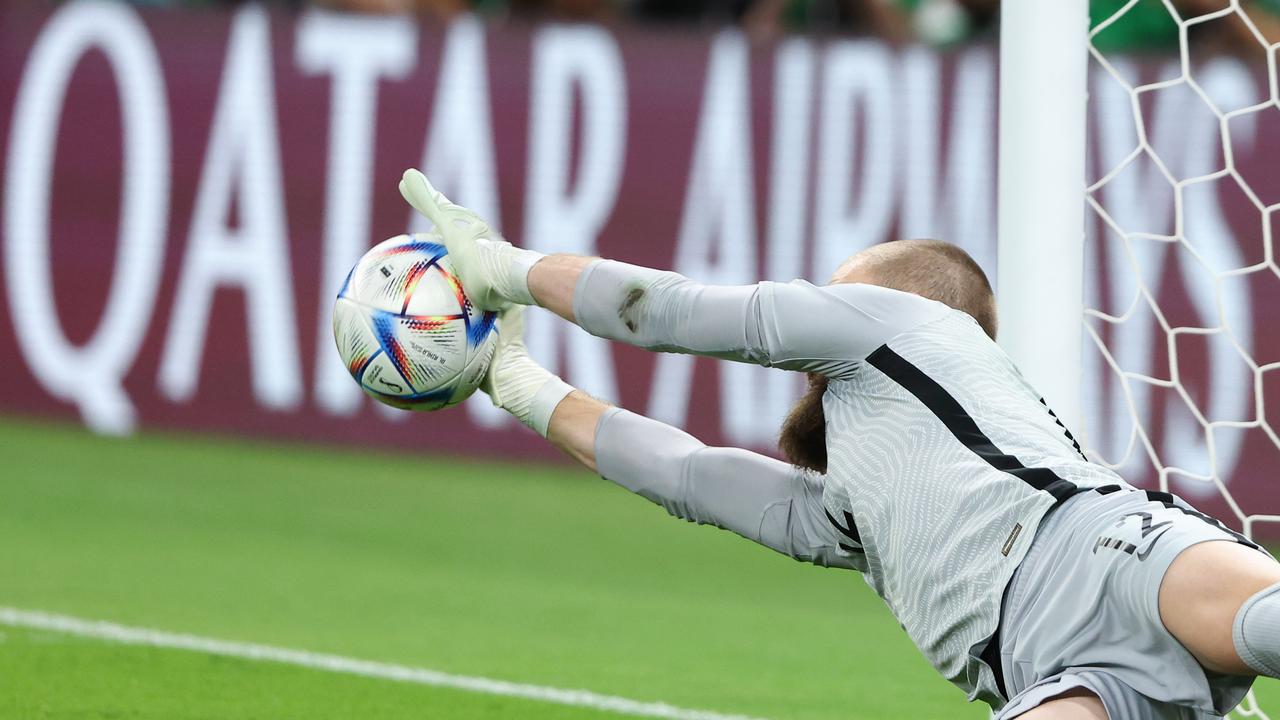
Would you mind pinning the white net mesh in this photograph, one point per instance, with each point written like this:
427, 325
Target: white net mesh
1181, 274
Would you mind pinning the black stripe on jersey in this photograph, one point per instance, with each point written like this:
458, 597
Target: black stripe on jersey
1168, 501
1074, 443
953, 416
850, 532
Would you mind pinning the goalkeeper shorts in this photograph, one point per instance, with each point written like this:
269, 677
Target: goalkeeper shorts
1082, 611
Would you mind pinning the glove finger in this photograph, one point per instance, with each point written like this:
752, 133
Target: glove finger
443, 212
510, 333
511, 325
418, 192
487, 384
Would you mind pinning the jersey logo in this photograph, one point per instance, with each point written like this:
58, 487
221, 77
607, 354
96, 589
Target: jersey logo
1142, 554
1145, 528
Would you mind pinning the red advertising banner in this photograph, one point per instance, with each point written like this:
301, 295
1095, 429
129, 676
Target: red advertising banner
183, 193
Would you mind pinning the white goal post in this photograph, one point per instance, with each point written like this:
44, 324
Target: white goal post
1040, 199
1149, 210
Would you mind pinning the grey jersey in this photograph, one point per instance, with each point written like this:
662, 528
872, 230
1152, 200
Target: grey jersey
941, 459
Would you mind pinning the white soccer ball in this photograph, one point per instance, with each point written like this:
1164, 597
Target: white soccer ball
406, 330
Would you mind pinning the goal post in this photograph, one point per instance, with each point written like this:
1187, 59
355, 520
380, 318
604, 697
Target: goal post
1171, 339
1040, 196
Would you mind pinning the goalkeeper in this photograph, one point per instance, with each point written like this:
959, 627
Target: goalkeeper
1032, 579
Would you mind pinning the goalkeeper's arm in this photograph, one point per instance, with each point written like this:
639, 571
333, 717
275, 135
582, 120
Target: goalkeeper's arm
794, 326
788, 325
757, 497
760, 498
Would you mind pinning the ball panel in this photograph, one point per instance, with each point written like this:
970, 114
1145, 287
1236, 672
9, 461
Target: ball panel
352, 335
426, 243
388, 274
412, 280
473, 374
385, 330
346, 284
435, 348
426, 352
387, 283
482, 328
381, 377
435, 293
427, 401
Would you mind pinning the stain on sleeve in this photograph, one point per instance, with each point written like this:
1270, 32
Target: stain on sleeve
627, 310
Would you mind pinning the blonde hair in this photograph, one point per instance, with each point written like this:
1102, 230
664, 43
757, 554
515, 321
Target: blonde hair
936, 270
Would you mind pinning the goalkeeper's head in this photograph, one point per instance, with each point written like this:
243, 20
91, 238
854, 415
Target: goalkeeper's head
930, 268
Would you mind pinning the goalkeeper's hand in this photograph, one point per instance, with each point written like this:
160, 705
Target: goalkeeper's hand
493, 271
515, 382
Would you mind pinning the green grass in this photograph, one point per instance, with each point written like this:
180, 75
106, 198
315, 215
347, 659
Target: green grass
531, 574
57, 676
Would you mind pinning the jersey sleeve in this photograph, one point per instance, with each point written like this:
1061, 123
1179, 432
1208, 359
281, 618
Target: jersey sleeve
794, 326
760, 498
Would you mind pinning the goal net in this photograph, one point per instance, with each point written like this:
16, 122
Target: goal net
1181, 363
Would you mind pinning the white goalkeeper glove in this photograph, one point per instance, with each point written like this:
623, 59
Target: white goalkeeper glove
493, 272
516, 383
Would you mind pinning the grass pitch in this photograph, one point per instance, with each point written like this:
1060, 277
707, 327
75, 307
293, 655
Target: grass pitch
538, 575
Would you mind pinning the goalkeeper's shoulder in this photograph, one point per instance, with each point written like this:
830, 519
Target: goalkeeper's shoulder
828, 328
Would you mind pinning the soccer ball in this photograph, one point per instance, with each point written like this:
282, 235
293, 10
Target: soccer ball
406, 330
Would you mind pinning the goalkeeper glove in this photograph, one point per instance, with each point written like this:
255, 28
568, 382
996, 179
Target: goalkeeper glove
516, 383
493, 272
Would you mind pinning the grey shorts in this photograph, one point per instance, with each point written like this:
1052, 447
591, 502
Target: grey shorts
1082, 611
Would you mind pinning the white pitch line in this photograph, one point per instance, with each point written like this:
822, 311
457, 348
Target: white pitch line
124, 634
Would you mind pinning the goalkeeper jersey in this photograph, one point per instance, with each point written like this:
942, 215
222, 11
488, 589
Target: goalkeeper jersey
942, 459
